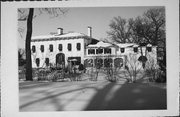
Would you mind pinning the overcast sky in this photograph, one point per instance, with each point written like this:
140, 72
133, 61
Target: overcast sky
77, 20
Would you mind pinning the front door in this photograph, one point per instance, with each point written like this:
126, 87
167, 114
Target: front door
60, 60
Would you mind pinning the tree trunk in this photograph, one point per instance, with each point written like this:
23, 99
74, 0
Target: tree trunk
28, 45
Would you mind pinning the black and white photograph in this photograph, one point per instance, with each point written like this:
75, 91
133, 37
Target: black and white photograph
105, 58
99, 58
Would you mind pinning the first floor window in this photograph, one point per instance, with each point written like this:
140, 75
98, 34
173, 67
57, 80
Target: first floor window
135, 49
47, 61
37, 62
42, 48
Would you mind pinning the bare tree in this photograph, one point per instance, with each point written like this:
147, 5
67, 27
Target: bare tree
28, 15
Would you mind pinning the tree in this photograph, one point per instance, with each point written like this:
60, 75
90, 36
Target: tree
119, 30
28, 15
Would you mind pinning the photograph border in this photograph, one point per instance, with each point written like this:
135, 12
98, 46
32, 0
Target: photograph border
9, 56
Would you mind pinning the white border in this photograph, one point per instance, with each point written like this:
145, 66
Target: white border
9, 62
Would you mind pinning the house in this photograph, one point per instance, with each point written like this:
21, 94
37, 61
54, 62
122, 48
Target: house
60, 49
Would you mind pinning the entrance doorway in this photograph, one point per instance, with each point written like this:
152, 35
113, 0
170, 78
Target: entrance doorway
60, 60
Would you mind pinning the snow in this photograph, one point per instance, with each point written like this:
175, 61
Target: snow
101, 44
72, 34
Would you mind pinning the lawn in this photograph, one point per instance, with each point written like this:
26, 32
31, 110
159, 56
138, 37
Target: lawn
91, 95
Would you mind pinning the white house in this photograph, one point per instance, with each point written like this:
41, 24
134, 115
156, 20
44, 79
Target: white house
59, 48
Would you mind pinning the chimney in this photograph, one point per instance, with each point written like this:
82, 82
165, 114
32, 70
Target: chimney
89, 31
60, 31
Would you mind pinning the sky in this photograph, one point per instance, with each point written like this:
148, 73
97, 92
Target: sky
78, 19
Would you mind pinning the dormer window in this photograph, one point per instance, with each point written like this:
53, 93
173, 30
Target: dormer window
42, 48
122, 50
149, 49
51, 48
33, 48
135, 49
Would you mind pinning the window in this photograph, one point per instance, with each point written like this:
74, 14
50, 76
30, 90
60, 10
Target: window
37, 62
122, 50
149, 49
107, 50
60, 47
47, 61
91, 51
33, 48
42, 48
51, 48
99, 51
135, 49
78, 46
69, 47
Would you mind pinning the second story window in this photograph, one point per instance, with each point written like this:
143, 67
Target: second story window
91, 51
60, 47
107, 50
78, 46
42, 48
33, 48
135, 49
69, 47
149, 49
122, 50
51, 48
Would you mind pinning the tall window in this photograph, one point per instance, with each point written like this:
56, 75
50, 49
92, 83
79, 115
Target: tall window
60, 47
33, 48
47, 61
42, 48
51, 48
37, 62
69, 47
78, 46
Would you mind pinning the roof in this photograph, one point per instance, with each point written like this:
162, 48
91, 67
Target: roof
125, 45
72, 35
100, 44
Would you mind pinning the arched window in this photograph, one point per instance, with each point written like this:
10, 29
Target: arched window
33, 48
42, 48
37, 62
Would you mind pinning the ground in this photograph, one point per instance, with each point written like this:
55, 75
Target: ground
91, 95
